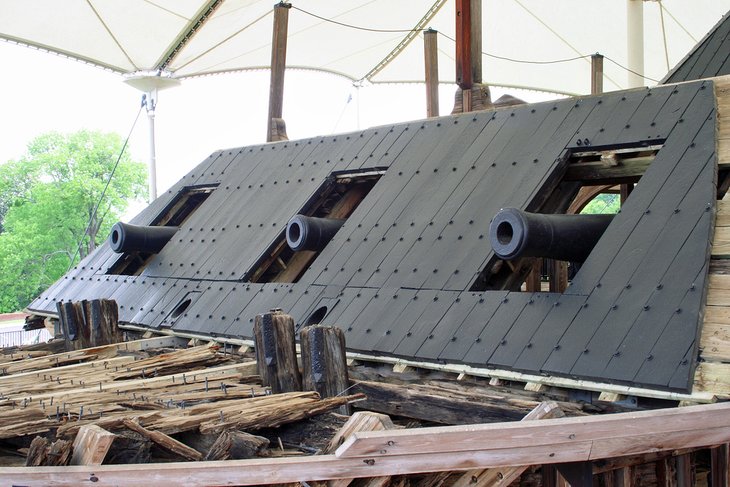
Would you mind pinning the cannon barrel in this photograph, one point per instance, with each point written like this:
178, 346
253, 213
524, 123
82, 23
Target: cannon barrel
126, 237
515, 233
311, 233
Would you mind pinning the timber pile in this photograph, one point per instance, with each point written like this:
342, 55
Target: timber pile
152, 400
142, 396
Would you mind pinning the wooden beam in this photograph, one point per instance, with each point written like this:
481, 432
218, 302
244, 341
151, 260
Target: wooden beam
403, 452
495, 477
430, 48
445, 406
278, 67
164, 441
612, 435
628, 171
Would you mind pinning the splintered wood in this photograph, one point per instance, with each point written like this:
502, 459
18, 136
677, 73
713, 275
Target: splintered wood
119, 392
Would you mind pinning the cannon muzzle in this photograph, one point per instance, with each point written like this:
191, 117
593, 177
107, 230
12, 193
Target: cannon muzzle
125, 237
515, 233
311, 233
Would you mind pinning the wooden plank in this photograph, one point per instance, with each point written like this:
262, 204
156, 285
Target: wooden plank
715, 377
91, 445
636, 431
568, 383
715, 341
723, 214
505, 476
360, 421
476, 446
282, 470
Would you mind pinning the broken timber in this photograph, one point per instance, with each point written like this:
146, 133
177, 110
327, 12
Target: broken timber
381, 453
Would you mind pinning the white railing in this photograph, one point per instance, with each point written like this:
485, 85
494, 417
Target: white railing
20, 337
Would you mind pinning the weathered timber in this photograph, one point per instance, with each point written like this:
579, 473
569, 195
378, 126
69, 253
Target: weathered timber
164, 441
324, 363
71, 321
360, 421
91, 445
237, 445
507, 475
430, 49
276, 355
278, 66
719, 466
275, 415
44, 453
447, 405
629, 170
604, 436
472, 448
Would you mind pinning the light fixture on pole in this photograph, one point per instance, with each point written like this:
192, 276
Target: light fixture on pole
150, 84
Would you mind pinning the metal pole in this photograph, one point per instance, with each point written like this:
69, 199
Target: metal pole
635, 42
430, 46
151, 103
596, 74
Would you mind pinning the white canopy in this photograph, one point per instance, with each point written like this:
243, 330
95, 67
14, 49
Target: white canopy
366, 41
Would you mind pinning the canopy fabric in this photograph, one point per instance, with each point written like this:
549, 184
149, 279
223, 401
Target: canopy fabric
366, 41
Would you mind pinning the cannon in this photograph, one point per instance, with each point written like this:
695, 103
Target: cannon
126, 237
515, 233
311, 233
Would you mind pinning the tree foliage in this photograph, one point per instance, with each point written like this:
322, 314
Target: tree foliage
47, 201
604, 203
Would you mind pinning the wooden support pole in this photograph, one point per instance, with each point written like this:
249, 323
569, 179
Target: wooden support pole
324, 363
463, 45
278, 67
430, 46
685, 474
719, 464
475, 46
596, 74
276, 354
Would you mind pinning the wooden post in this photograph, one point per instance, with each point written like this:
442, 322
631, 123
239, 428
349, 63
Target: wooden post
71, 320
720, 465
463, 45
430, 46
596, 74
324, 363
278, 66
470, 94
475, 45
276, 354
623, 477
685, 474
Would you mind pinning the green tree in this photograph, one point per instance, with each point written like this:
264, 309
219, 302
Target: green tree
47, 202
603, 203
